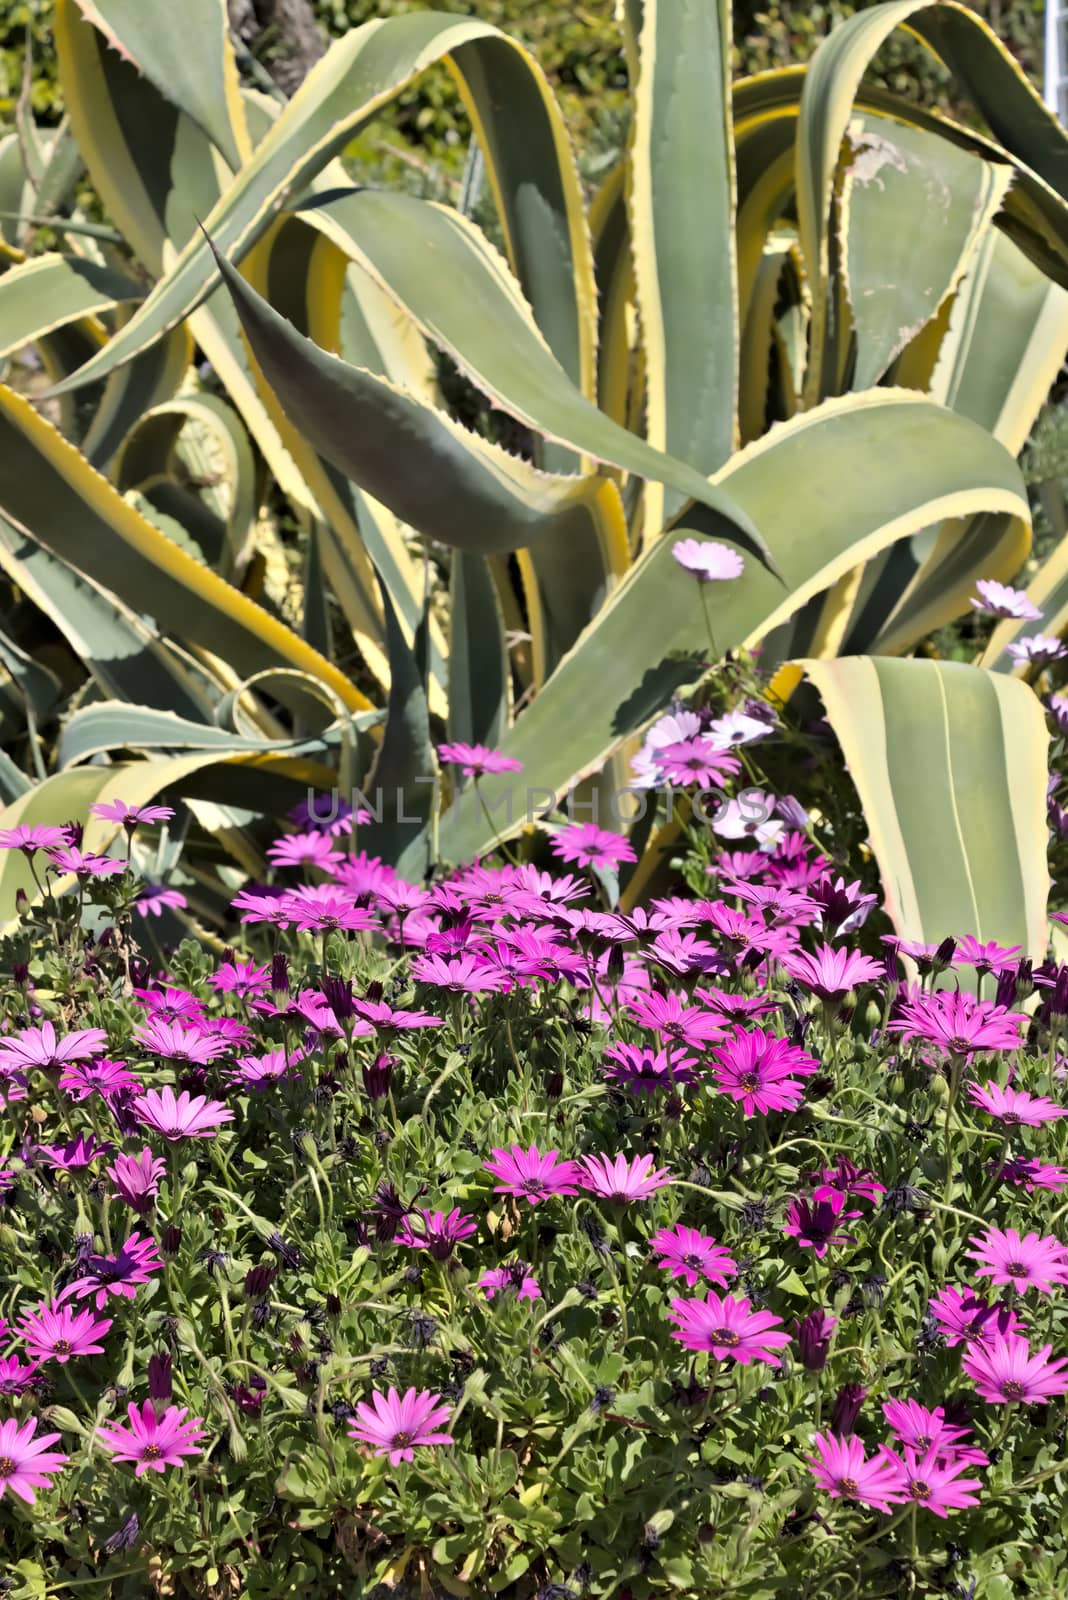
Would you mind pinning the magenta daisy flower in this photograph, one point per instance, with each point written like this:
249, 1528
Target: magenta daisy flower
707, 560
120, 1274
726, 1327
107, 1078
616, 1179
920, 1428
397, 1426
1014, 1107
185, 1117
304, 850
846, 1179
687, 1253
813, 1223
989, 957
1001, 600
387, 1021
29, 838
437, 1232
153, 1442
41, 1048
242, 978
129, 816
591, 846
842, 1471
56, 1332
326, 909
671, 1017
1037, 650
1006, 1373
260, 1072
514, 1276
463, 974
84, 864
476, 760
27, 1463
830, 973
964, 1317
1028, 1173
171, 1042
644, 1070
532, 1175
15, 1378
958, 1023
1031, 1262
327, 813
930, 1482
757, 1068
696, 764
156, 898
75, 1154
136, 1179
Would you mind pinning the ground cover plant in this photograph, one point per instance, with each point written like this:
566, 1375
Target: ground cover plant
487, 1237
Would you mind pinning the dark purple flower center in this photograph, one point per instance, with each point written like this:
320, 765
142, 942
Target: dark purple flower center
1013, 1390
922, 1443
1016, 1269
692, 1261
725, 1337
151, 1452
61, 1347
849, 1487
959, 1044
402, 1440
919, 1490
748, 1081
7, 1466
532, 1186
1010, 1119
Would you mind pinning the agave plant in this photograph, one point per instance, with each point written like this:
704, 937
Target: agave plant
807, 318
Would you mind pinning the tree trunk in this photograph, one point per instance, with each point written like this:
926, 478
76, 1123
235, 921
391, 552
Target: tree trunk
282, 34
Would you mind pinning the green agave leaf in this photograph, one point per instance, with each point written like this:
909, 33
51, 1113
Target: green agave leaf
897, 276
516, 119
965, 845
123, 654
471, 495
184, 50
50, 291
682, 146
418, 252
135, 390
908, 462
479, 671
116, 725
49, 492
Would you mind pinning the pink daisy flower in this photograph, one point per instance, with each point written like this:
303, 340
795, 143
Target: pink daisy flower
842, 1471
813, 1223
846, 1179
171, 1042
27, 1463
155, 899
671, 1017
689, 1254
75, 1154
84, 865
136, 1179
1028, 1173
387, 1021
696, 764
1006, 1373
532, 1175
922, 1429
241, 978
437, 1232
830, 973
707, 560
326, 909
29, 838
41, 1048
153, 1442
644, 1070
120, 1274
1030, 1262
304, 850
728, 1327
616, 1179
84, 1078
476, 760
397, 1426
1037, 650
258, 1072
514, 1275
466, 974
1014, 1107
958, 1023
129, 816
56, 1333
757, 1069
185, 1117
15, 1378
591, 846
1001, 600
989, 957
938, 1486
965, 1317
